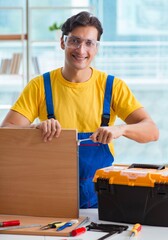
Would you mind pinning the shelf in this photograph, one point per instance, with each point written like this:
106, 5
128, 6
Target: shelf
11, 82
10, 78
13, 37
5, 107
52, 43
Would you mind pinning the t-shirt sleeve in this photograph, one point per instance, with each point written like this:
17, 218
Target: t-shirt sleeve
124, 102
28, 102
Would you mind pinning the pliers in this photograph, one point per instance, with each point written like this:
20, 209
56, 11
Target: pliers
52, 225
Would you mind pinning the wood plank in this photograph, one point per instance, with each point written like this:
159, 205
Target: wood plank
13, 37
27, 220
37, 178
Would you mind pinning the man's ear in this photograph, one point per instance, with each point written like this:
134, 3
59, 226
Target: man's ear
62, 43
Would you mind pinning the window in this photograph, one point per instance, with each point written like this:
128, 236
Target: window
134, 47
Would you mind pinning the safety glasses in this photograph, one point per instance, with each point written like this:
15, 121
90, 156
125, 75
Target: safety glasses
76, 42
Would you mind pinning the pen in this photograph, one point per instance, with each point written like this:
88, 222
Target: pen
9, 223
135, 230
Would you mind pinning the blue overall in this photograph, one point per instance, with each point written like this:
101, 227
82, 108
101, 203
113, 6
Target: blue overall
92, 156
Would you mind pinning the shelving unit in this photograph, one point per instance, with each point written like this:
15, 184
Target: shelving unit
36, 55
49, 56
12, 63
47, 52
10, 37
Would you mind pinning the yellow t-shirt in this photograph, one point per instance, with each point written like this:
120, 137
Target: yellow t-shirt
76, 105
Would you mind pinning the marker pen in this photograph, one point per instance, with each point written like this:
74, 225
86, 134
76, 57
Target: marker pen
79, 231
9, 223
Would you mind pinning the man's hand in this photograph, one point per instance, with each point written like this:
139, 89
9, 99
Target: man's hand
106, 134
138, 127
50, 128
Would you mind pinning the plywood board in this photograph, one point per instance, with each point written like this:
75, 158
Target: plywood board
37, 178
29, 221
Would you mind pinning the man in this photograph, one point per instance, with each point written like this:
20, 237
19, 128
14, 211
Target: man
83, 99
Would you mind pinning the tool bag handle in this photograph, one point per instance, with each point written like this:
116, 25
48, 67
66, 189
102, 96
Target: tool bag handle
152, 166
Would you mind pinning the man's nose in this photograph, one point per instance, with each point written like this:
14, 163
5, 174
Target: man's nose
82, 46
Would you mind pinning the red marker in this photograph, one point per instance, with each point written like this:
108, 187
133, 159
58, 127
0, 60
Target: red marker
10, 223
78, 231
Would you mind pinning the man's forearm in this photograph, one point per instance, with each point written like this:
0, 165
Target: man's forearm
141, 132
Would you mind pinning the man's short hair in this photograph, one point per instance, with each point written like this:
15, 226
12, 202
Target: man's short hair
82, 19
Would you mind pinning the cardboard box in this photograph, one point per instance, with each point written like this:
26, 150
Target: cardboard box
135, 194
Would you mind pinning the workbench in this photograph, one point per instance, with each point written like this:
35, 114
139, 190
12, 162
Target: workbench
147, 232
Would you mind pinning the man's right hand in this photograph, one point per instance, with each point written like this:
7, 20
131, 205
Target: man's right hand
50, 128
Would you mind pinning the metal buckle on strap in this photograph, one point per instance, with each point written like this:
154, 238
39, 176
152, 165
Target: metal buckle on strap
50, 116
105, 119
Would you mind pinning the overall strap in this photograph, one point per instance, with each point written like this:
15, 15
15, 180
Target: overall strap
107, 100
48, 95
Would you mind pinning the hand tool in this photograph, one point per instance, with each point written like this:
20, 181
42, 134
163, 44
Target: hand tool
82, 140
20, 227
84, 221
108, 235
135, 230
67, 224
111, 229
52, 225
79, 230
9, 223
